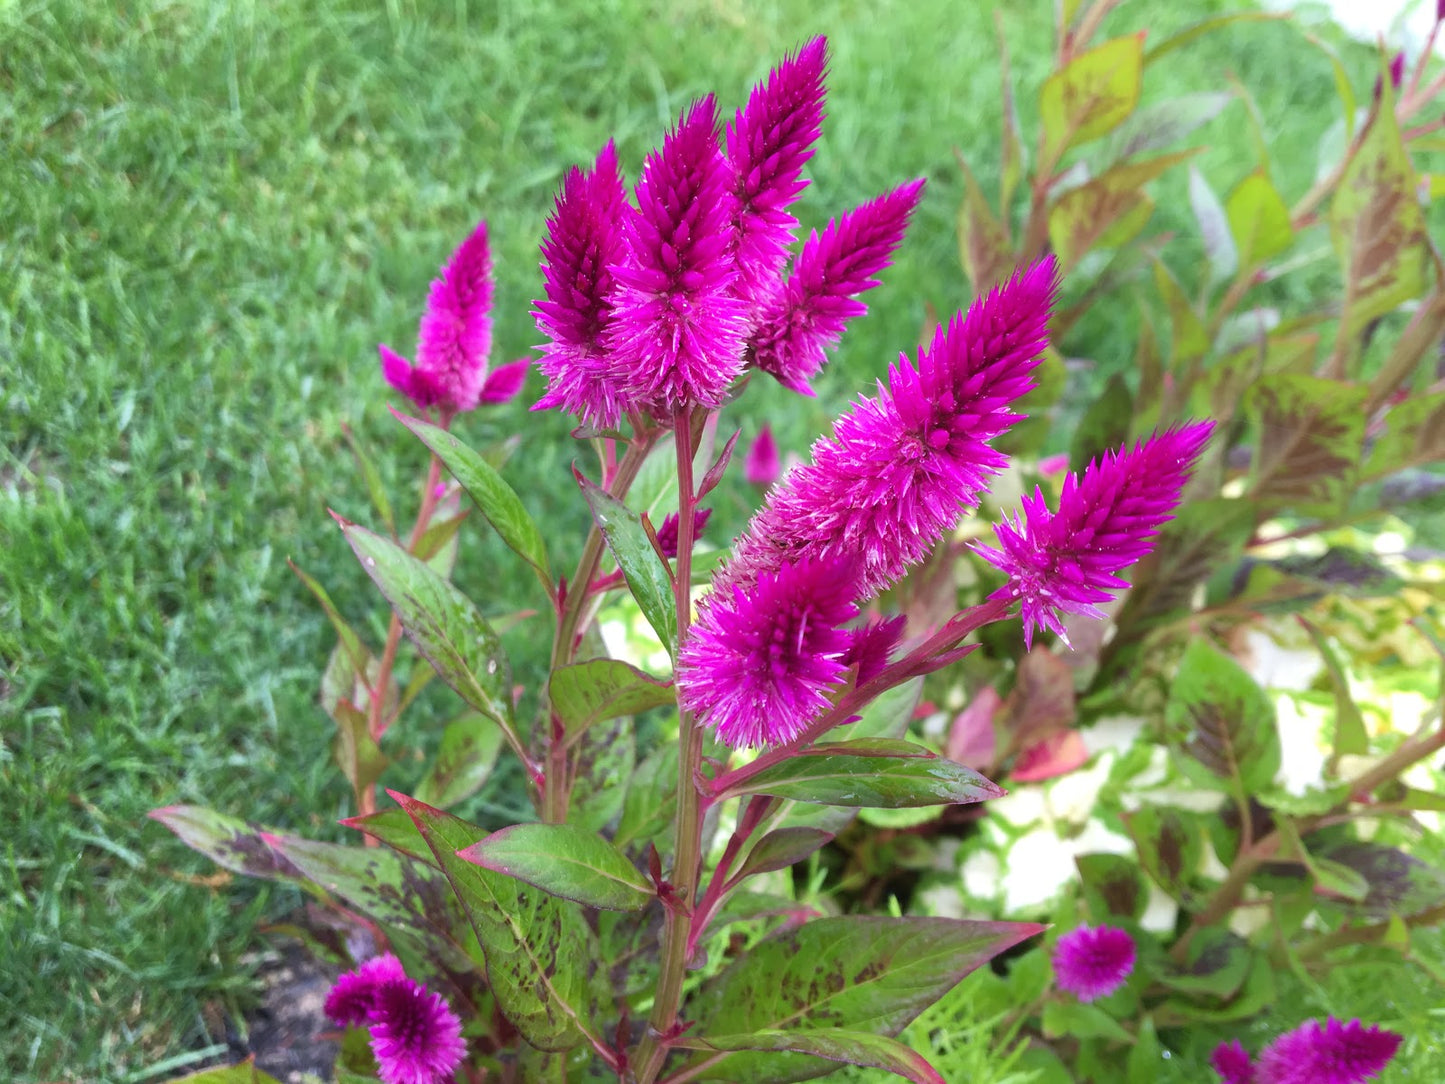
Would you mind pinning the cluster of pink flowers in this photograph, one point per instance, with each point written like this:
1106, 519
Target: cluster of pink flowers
416, 1037
1313, 1053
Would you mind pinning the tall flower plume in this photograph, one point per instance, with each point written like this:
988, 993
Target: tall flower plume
900, 468
801, 321
584, 242
1093, 961
759, 664
455, 335
1068, 561
677, 326
416, 1037
1313, 1053
768, 143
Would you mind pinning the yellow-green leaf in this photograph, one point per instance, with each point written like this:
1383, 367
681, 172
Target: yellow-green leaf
1092, 95
1258, 219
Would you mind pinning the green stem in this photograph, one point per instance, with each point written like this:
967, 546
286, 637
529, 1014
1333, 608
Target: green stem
687, 849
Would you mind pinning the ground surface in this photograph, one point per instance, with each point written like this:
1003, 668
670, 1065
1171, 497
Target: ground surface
209, 215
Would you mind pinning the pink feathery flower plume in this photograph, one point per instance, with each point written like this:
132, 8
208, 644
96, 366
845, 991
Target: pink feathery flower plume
759, 665
1313, 1053
1093, 961
768, 143
805, 318
667, 534
762, 465
900, 468
584, 242
1068, 561
455, 338
677, 326
416, 1037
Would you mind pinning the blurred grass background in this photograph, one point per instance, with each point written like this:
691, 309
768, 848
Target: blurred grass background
210, 213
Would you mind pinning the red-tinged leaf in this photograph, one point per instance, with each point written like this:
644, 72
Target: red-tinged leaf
565, 860
781, 849
1083, 216
1221, 723
971, 738
982, 239
715, 472
859, 973
1042, 700
1056, 755
589, 692
1170, 846
1413, 436
1393, 882
1092, 95
393, 827
1114, 886
1217, 964
1156, 126
835, 1044
230, 842
1309, 439
892, 782
1377, 227
540, 954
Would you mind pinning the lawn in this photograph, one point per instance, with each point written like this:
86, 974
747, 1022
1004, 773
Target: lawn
209, 215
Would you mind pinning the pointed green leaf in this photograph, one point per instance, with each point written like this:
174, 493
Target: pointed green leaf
464, 762
1189, 339
495, 499
859, 973
1206, 26
1080, 1021
540, 953
1392, 881
1092, 95
605, 758
588, 692
1217, 964
1309, 440
393, 827
1258, 220
835, 1044
650, 801
230, 842
565, 860
781, 849
1222, 722
357, 754
1104, 426
356, 652
1414, 435
1146, 1062
372, 477
443, 623
245, 1073
437, 537
647, 576
891, 781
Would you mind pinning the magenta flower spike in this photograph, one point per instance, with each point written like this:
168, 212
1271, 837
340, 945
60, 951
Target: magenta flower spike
667, 533
1068, 561
1329, 1053
762, 466
872, 645
900, 468
760, 664
1232, 1062
504, 382
584, 242
1093, 962
416, 1037
768, 143
350, 999
805, 318
677, 325
455, 335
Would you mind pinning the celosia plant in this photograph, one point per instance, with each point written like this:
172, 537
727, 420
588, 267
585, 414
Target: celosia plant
634, 930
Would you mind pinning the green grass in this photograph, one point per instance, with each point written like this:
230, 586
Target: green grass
209, 215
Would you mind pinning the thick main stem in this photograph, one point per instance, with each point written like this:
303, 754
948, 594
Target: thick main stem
687, 848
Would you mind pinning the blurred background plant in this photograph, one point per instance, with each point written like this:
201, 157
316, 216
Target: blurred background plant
209, 215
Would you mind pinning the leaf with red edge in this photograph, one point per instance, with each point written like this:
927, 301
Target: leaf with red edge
835, 1044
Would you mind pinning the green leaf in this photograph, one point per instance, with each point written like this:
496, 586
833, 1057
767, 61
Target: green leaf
495, 499
1114, 886
1309, 440
650, 801
356, 652
1414, 435
1217, 964
1214, 229
464, 762
1343, 88
605, 758
1258, 219
781, 849
1170, 846
1377, 225
1206, 26
538, 949
858, 973
444, 625
1189, 339
1157, 126
1080, 1021
893, 781
588, 692
357, 754
438, 537
835, 1044
1258, 993
393, 827
375, 489
1145, 1063
647, 575
1390, 882
1092, 95
1222, 722
565, 860
233, 844
1104, 426
245, 1073
1351, 738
